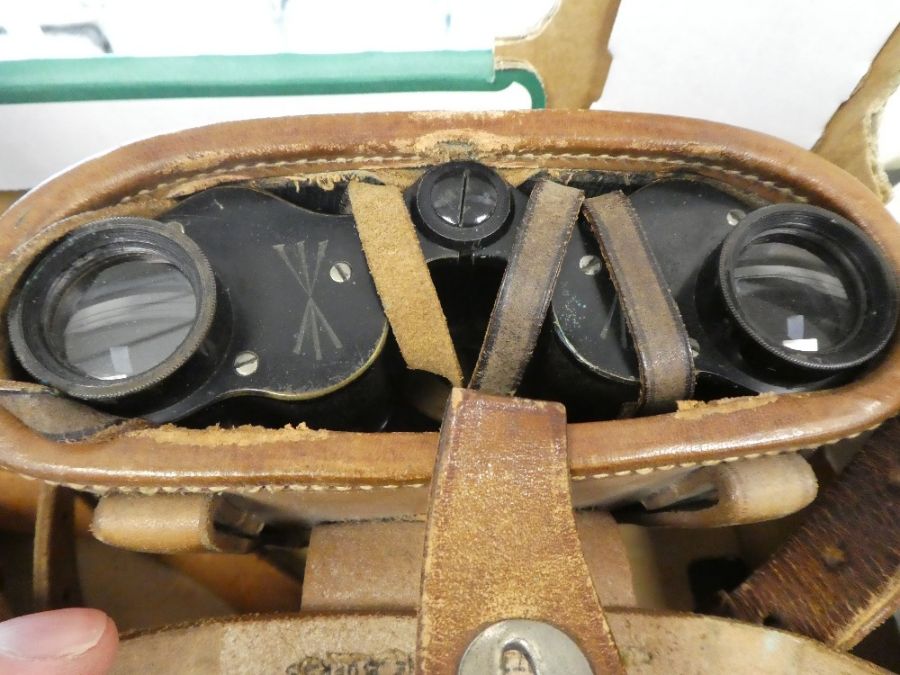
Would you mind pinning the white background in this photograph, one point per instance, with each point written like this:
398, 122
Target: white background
774, 66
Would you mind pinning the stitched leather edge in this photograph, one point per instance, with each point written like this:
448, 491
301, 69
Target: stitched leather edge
383, 161
313, 487
858, 202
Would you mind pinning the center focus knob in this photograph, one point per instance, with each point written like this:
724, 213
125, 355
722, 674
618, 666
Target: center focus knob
462, 203
463, 198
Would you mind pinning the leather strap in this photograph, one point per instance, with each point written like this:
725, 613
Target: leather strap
526, 289
838, 577
177, 523
368, 566
58, 418
55, 566
402, 279
501, 541
377, 565
732, 493
655, 324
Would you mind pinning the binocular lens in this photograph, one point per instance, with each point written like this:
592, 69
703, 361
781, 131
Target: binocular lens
113, 309
122, 317
808, 287
795, 297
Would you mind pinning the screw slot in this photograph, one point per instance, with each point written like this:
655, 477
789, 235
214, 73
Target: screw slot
590, 265
340, 272
246, 363
734, 216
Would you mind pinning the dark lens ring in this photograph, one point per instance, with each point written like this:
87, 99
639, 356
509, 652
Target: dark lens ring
93, 247
814, 229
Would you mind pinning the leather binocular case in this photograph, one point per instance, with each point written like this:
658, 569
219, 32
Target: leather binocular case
446, 354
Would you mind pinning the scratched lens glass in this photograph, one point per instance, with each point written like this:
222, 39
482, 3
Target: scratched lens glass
795, 298
124, 318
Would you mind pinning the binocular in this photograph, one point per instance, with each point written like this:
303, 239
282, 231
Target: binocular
244, 305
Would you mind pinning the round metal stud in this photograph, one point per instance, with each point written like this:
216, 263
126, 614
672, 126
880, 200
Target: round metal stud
340, 272
246, 363
590, 264
543, 648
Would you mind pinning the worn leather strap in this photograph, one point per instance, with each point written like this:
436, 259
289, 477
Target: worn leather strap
655, 324
501, 541
402, 279
176, 523
58, 418
377, 565
526, 289
732, 493
55, 566
838, 577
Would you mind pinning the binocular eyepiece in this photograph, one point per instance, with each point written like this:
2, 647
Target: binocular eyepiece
246, 305
785, 297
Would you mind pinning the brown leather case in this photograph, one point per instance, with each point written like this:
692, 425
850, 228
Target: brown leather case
324, 474
651, 644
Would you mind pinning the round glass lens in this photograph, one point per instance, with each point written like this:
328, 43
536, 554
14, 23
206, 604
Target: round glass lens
795, 298
124, 318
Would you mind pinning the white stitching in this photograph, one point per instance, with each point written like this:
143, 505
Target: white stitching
369, 161
303, 487
661, 160
242, 489
263, 165
732, 458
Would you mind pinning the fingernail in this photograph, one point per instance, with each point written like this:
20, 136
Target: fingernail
59, 633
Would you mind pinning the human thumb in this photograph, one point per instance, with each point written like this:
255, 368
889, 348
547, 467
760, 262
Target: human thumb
60, 642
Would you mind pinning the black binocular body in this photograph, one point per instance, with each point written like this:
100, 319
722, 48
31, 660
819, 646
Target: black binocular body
248, 306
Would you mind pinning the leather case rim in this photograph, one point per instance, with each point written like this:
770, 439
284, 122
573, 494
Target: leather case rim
144, 178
